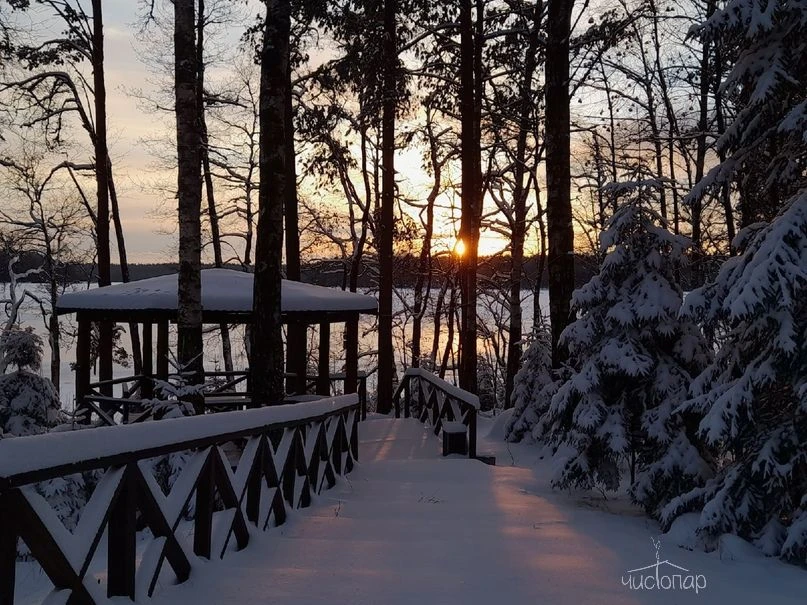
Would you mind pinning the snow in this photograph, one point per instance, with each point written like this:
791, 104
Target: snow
222, 290
26, 454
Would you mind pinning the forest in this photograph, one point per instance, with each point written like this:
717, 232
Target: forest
643, 162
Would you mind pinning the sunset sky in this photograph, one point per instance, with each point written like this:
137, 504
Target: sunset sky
147, 208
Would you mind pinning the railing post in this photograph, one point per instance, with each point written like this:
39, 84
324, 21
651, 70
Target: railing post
162, 349
203, 518
8, 551
354, 437
323, 363
83, 344
362, 396
407, 396
147, 382
122, 540
472, 432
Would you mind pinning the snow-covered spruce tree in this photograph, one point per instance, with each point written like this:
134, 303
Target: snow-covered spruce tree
632, 360
765, 43
29, 403
533, 387
753, 398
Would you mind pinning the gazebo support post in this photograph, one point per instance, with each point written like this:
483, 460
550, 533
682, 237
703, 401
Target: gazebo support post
324, 366
295, 353
147, 384
301, 367
105, 344
83, 364
162, 349
351, 355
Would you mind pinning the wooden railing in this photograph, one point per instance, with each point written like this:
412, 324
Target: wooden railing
431, 399
245, 472
111, 410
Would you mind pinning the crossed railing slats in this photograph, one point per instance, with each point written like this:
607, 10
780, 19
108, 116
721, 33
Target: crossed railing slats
432, 400
284, 458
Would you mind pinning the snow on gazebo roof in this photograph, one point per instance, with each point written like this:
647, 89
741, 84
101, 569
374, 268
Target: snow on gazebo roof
225, 293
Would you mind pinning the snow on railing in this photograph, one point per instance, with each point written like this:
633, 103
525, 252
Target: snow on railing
440, 403
242, 469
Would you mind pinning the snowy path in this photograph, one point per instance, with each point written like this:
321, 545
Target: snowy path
411, 528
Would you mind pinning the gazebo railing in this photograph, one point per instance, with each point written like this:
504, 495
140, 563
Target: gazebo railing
427, 397
109, 410
244, 472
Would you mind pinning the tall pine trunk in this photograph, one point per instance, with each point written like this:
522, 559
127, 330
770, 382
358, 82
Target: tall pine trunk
102, 186
471, 162
212, 212
386, 354
189, 193
560, 261
296, 341
520, 193
266, 363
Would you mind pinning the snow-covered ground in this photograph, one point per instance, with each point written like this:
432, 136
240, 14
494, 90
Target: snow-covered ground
409, 527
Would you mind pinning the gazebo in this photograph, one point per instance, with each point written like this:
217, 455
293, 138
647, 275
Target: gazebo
226, 298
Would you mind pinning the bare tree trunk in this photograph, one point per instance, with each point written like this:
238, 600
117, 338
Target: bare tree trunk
189, 193
520, 193
212, 213
386, 354
470, 117
437, 318
296, 342
424, 274
558, 172
102, 185
452, 309
266, 362
134, 335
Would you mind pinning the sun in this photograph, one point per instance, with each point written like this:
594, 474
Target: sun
459, 248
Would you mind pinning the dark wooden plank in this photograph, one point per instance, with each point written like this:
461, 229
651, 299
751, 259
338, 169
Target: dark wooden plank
83, 366
122, 538
472, 432
162, 350
337, 445
324, 360
254, 482
203, 518
8, 551
288, 476
147, 382
362, 395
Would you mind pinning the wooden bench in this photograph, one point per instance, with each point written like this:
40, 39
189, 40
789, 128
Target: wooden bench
455, 438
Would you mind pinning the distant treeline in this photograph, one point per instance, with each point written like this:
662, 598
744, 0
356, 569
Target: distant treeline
493, 271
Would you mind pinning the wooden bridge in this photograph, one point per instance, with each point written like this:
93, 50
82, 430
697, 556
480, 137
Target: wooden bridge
244, 472
308, 504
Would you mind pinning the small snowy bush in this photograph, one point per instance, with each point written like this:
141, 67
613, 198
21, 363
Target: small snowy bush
533, 388
174, 399
29, 405
752, 400
21, 348
632, 359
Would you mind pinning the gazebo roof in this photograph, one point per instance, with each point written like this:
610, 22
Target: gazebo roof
226, 296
